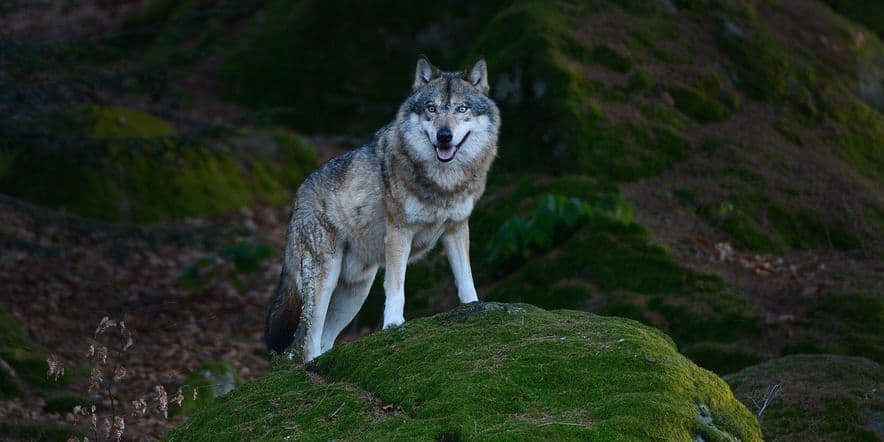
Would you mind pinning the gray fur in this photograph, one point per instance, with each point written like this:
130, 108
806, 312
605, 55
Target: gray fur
385, 204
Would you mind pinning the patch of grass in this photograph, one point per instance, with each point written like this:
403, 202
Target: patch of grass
25, 357
639, 7
664, 115
486, 371
726, 322
788, 133
858, 142
651, 151
638, 82
745, 232
555, 217
207, 383
610, 58
854, 320
807, 230
763, 64
823, 397
695, 104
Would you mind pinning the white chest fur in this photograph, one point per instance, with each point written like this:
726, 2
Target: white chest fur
454, 209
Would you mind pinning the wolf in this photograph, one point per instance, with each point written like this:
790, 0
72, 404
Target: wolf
386, 203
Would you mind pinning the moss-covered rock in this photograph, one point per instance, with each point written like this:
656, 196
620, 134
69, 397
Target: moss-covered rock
488, 371
26, 358
208, 382
119, 164
821, 397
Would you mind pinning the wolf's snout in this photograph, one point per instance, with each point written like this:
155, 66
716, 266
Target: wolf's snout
444, 135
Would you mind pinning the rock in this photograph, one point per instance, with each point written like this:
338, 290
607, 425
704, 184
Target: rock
119, 164
488, 371
212, 380
821, 397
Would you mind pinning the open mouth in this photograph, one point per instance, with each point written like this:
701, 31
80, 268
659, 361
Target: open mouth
446, 153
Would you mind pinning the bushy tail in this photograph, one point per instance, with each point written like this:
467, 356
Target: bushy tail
283, 315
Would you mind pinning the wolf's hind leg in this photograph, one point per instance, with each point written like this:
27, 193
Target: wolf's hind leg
324, 276
345, 303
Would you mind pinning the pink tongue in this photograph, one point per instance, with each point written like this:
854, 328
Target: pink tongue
445, 154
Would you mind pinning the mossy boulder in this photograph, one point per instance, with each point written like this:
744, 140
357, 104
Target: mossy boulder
119, 164
821, 397
487, 371
209, 381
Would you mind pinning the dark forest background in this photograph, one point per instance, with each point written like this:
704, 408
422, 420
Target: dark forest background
712, 168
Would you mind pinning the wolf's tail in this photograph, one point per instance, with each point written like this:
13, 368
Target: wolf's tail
283, 315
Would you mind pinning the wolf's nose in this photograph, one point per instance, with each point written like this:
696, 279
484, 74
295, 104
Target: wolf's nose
444, 135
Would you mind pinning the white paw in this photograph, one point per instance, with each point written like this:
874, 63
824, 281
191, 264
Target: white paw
396, 322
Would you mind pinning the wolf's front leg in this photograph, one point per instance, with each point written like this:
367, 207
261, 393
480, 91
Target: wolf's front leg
457, 247
397, 248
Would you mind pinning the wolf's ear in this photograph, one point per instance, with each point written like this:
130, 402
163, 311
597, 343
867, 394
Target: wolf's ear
477, 75
424, 72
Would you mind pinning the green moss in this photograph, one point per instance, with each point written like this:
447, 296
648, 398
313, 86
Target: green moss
488, 371
610, 58
639, 7
638, 82
207, 383
650, 151
788, 133
853, 323
858, 141
25, 357
65, 403
125, 165
695, 104
763, 64
807, 230
823, 397
529, 44
664, 115
726, 321
745, 232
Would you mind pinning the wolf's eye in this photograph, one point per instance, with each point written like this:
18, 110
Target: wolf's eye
431, 108
462, 108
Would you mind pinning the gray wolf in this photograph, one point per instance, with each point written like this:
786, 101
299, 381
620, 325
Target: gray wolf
386, 203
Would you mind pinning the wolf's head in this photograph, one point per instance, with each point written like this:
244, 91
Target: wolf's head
449, 117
